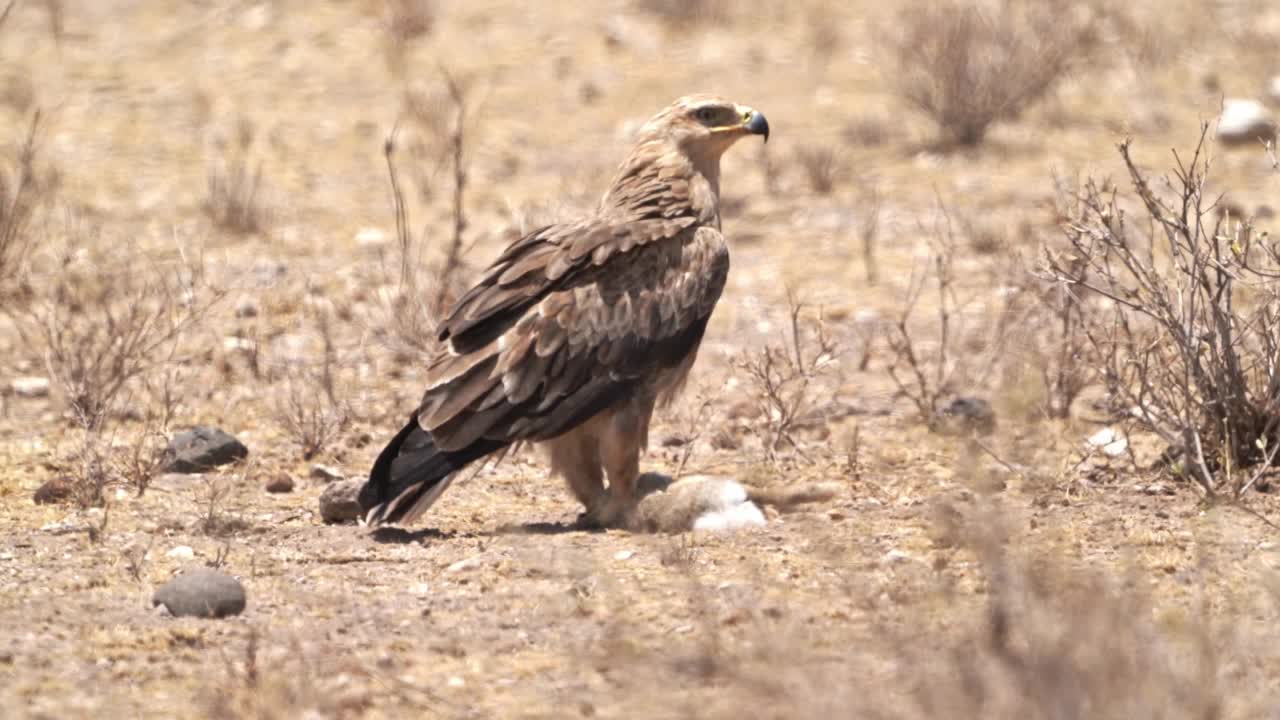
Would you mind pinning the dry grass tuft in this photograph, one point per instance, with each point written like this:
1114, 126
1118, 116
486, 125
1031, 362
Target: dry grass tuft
311, 411
101, 322
234, 203
824, 167
410, 19
683, 14
968, 64
781, 379
22, 191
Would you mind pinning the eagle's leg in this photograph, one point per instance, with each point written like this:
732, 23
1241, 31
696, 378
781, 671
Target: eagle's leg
575, 456
623, 439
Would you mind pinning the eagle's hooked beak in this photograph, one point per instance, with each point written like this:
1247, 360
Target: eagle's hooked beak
754, 123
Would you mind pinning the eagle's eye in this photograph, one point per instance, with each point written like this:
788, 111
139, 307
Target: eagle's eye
705, 114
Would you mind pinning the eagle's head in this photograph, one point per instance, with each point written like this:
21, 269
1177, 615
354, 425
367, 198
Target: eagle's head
704, 125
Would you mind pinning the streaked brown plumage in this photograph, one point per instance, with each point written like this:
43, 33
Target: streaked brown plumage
577, 331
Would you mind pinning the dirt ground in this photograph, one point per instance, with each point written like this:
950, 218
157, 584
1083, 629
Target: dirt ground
1019, 578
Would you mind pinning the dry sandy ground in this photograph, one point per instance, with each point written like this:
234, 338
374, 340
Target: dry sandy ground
940, 582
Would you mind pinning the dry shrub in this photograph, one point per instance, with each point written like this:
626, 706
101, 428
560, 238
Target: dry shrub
782, 379
410, 19
107, 327
234, 184
824, 166
1189, 337
968, 63
22, 191
681, 14
426, 290
104, 320
961, 351
311, 412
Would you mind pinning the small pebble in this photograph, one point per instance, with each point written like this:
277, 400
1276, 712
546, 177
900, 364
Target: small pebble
326, 473
281, 483
461, 565
895, 556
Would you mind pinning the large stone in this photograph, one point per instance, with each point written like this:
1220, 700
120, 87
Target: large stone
203, 448
697, 502
1245, 122
338, 502
202, 592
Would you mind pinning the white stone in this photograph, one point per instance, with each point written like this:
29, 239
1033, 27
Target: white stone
30, 387
470, 563
1245, 122
181, 552
1112, 443
371, 237
624, 554
237, 344
894, 557
1105, 436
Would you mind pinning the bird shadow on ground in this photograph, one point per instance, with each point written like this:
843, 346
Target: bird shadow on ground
400, 536
546, 528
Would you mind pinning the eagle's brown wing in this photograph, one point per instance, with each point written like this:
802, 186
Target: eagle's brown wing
568, 320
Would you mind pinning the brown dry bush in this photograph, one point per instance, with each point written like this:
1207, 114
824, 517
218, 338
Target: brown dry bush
409, 19
782, 379
22, 192
102, 322
1189, 339
311, 412
107, 330
678, 14
824, 167
968, 63
957, 353
234, 200
426, 290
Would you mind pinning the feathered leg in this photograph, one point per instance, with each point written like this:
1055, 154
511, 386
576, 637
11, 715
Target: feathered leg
575, 456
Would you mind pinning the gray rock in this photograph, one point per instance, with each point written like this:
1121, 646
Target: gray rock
1245, 122
965, 416
203, 448
201, 592
338, 501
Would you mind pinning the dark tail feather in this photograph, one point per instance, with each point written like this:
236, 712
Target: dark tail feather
411, 473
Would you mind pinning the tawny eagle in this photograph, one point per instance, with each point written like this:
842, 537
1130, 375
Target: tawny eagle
578, 330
